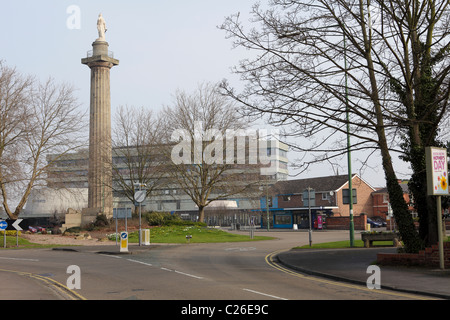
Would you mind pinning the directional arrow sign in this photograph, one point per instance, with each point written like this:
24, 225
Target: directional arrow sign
16, 224
3, 225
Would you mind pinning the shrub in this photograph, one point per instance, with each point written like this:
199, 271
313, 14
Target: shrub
10, 233
159, 218
101, 221
167, 219
73, 230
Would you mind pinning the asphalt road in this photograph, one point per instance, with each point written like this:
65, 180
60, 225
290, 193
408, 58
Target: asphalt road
223, 271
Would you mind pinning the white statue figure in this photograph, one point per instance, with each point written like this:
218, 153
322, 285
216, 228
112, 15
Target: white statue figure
101, 27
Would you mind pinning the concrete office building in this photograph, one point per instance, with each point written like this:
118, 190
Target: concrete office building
71, 172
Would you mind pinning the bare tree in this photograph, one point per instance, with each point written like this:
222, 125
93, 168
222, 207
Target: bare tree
37, 119
200, 121
137, 151
329, 67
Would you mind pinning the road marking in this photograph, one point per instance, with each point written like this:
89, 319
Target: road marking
264, 294
241, 249
144, 263
62, 289
189, 275
272, 263
165, 269
110, 256
18, 259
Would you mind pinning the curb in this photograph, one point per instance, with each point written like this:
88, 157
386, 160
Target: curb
358, 282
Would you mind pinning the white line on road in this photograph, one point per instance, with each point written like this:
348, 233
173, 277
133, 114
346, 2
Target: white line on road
111, 256
189, 275
264, 294
165, 269
144, 263
18, 259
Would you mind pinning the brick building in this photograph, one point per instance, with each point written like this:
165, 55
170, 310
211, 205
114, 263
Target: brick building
381, 201
289, 202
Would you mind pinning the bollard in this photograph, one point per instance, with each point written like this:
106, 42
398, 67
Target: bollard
124, 242
188, 238
146, 237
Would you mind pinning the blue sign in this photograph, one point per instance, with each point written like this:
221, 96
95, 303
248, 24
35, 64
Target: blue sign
124, 235
3, 225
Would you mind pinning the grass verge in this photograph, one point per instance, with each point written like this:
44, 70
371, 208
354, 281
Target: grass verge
177, 234
11, 243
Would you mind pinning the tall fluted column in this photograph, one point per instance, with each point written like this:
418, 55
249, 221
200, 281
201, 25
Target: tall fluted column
100, 198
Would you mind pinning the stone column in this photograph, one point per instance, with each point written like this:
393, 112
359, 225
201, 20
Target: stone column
100, 154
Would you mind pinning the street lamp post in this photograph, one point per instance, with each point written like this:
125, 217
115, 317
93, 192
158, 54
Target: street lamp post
349, 155
307, 193
309, 212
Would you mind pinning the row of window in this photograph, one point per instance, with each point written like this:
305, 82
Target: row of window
325, 196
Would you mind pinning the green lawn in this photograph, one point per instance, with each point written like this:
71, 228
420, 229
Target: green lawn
11, 242
167, 234
177, 234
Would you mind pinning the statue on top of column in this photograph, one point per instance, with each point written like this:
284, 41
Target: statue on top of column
101, 27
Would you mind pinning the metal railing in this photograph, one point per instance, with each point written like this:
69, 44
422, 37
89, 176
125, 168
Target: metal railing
90, 54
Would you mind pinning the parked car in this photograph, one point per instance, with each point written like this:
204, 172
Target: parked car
380, 220
374, 224
32, 229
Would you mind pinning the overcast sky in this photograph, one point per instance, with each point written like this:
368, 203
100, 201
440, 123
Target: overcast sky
162, 46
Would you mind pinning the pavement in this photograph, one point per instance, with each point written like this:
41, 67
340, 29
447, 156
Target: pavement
350, 265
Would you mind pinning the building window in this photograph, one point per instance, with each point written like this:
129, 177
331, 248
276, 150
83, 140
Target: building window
283, 153
325, 196
283, 220
346, 196
282, 165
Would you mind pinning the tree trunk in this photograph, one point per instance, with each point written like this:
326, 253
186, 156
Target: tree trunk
410, 237
425, 205
403, 218
201, 213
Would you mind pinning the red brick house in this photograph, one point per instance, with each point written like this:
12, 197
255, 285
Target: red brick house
381, 201
289, 205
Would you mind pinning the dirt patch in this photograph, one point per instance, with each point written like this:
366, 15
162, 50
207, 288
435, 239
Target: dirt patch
84, 238
69, 239
96, 237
